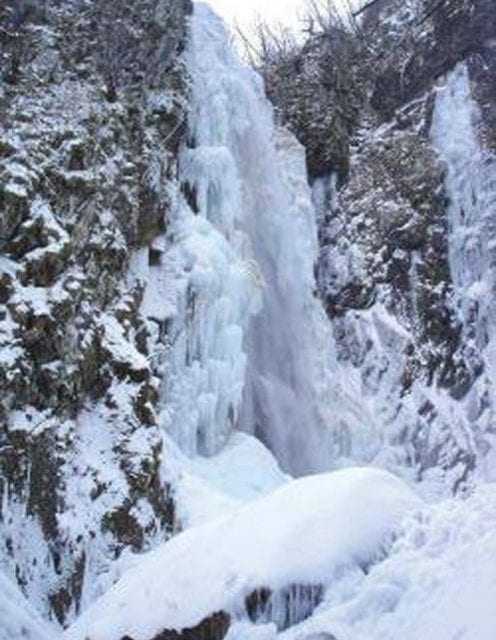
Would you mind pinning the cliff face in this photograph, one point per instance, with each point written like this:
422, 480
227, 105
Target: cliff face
93, 108
400, 145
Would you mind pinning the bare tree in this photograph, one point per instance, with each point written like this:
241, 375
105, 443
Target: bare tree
264, 44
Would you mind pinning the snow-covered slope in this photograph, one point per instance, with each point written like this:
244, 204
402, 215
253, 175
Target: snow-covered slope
372, 562
439, 581
308, 533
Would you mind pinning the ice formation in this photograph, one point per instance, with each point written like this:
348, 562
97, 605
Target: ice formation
471, 190
240, 252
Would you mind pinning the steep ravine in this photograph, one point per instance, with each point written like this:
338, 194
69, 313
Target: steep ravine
196, 305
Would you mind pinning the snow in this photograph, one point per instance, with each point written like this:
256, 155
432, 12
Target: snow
16, 190
32, 299
306, 532
18, 620
114, 339
97, 485
11, 351
211, 487
438, 581
244, 469
30, 420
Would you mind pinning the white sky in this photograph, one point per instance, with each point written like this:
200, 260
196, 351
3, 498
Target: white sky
243, 11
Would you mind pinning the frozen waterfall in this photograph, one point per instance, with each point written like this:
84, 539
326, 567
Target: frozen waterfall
471, 189
470, 186
246, 340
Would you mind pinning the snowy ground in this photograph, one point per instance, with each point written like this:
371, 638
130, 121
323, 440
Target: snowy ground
438, 582
392, 565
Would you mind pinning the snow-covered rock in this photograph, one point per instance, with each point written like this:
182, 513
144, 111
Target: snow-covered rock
85, 182
307, 533
438, 581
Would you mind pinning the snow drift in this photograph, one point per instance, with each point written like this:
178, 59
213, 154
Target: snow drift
307, 533
438, 581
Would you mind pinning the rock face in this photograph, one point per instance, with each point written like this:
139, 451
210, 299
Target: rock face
213, 628
93, 108
402, 288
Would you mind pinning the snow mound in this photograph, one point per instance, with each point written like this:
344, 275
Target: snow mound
18, 620
438, 581
306, 532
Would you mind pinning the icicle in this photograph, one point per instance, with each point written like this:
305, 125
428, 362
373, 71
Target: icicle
286, 607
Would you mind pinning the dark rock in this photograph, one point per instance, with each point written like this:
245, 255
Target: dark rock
285, 608
213, 628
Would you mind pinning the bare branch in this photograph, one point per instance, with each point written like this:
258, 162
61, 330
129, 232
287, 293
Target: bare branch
366, 6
